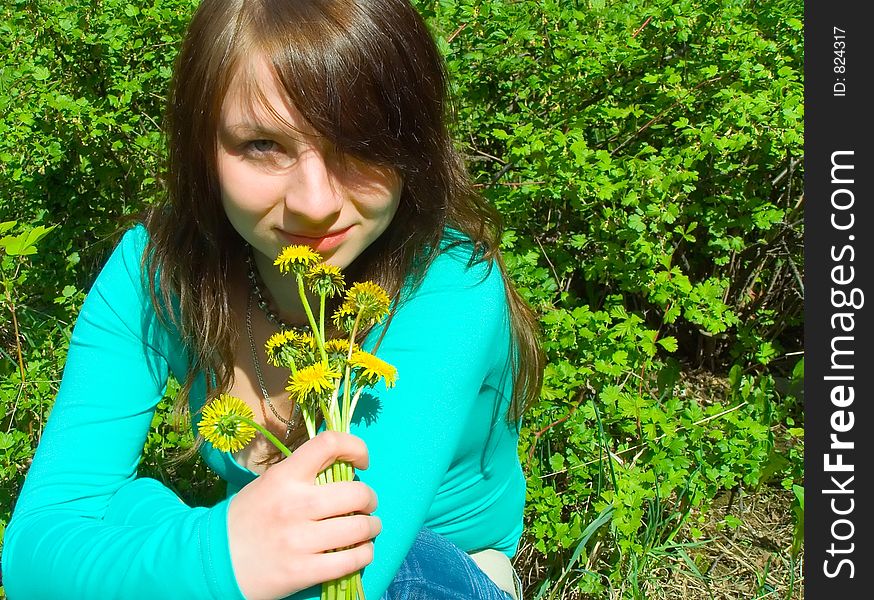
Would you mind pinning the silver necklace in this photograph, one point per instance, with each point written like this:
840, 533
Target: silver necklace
289, 423
263, 303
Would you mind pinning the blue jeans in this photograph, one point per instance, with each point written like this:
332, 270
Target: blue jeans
437, 569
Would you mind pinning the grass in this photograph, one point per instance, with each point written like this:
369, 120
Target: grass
742, 546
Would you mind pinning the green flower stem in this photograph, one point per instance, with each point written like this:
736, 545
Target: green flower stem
286, 358
322, 316
320, 341
327, 413
336, 420
348, 376
359, 586
309, 421
348, 587
347, 385
352, 334
266, 433
350, 410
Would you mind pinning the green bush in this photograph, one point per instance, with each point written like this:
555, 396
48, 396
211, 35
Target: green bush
646, 157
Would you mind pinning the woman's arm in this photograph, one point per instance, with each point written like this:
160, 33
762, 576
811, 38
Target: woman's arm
75, 532
86, 527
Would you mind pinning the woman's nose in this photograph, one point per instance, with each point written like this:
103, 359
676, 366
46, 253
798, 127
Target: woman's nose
314, 194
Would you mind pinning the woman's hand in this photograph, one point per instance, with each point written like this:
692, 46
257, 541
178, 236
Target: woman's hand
282, 525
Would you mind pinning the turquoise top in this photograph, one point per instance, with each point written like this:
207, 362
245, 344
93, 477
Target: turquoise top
441, 452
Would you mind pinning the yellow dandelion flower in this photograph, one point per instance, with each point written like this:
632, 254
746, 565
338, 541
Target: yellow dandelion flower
275, 344
337, 346
325, 279
296, 259
222, 426
369, 299
344, 317
314, 379
372, 369
275, 341
288, 346
305, 342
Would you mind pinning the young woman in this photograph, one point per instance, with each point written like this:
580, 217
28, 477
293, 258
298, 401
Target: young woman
317, 122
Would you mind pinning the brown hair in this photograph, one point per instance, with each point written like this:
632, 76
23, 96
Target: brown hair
365, 74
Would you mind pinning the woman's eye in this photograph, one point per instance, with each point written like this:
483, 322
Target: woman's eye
262, 146
267, 153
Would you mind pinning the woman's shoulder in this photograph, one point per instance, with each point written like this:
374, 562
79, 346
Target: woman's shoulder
462, 262
461, 274
124, 265
135, 238
122, 288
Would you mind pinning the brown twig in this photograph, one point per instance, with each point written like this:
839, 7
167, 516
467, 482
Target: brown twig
663, 112
489, 156
551, 266
23, 371
455, 33
17, 341
538, 434
512, 184
639, 29
15, 329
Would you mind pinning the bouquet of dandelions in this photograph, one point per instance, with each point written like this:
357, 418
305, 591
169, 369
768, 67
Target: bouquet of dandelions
327, 376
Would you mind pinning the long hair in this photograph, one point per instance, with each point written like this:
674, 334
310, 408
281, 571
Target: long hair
366, 75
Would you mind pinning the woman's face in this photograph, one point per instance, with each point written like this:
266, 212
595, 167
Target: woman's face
283, 185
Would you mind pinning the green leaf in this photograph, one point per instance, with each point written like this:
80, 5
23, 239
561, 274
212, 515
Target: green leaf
25, 243
556, 462
798, 370
799, 495
669, 343
40, 73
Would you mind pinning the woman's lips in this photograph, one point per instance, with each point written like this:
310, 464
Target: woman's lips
320, 243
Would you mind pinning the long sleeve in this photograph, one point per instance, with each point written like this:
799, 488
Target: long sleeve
79, 530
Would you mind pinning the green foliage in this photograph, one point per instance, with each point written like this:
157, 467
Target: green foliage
646, 157
648, 149
83, 86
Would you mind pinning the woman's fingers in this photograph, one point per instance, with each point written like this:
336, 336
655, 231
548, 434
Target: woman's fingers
322, 451
341, 498
343, 532
333, 565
